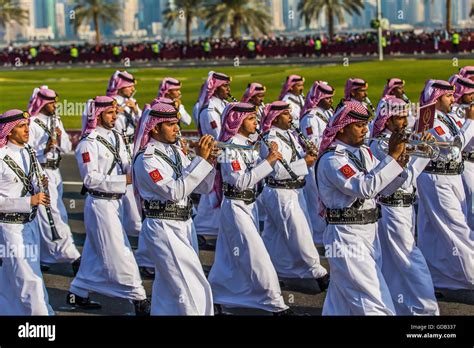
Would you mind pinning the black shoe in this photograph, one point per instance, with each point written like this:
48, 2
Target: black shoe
75, 265
323, 282
142, 307
201, 241
44, 267
218, 310
147, 272
82, 302
284, 313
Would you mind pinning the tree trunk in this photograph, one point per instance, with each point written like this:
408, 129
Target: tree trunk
448, 15
189, 20
330, 19
233, 30
97, 29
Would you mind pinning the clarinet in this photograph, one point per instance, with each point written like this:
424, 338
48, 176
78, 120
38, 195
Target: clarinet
310, 147
282, 161
35, 167
369, 104
233, 99
405, 98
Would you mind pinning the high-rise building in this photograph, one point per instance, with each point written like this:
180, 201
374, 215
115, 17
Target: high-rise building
150, 11
277, 14
60, 20
45, 14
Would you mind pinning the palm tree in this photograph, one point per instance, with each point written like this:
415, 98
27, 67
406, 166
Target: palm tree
95, 11
448, 15
10, 12
239, 16
190, 9
310, 9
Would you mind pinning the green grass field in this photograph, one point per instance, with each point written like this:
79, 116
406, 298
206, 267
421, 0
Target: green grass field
78, 85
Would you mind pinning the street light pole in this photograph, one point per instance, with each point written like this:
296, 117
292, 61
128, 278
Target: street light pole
379, 19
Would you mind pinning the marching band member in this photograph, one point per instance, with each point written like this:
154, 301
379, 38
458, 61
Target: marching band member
108, 266
404, 266
356, 90
349, 178
287, 230
315, 116
463, 100
255, 95
122, 87
164, 178
50, 140
22, 289
171, 88
467, 72
242, 274
395, 87
444, 236
292, 93
211, 104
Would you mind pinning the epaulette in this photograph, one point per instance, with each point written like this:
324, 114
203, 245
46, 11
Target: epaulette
91, 136
339, 150
149, 151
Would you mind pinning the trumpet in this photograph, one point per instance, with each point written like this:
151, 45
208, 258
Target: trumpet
219, 144
444, 151
310, 147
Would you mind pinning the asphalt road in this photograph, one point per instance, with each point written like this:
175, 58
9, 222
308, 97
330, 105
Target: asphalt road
302, 296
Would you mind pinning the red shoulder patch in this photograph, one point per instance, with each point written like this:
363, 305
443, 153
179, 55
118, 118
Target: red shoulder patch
309, 130
440, 130
86, 158
347, 171
236, 166
155, 175
213, 124
459, 123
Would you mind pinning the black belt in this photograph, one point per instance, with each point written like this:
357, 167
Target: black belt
353, 216
104, 195
168, 210
285, 184
398, 199
468, 156
53, 164
231, 192
18, 218
445, 168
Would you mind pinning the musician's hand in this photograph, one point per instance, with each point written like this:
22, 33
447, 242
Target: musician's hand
403, 159
184, 145
396, 145
59, 132
205, 146
470, 112
40, 198
129, 178
132, 104
310, 160
50, 145
427, 137
45, 181
120, 110
274, 155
